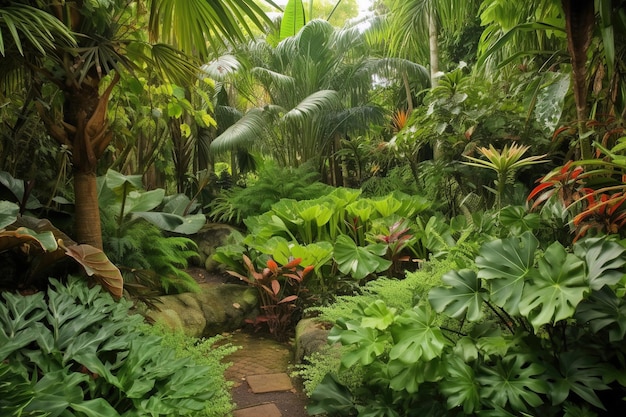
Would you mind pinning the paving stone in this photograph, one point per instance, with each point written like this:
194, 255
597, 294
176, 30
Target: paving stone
263, 410
269, 383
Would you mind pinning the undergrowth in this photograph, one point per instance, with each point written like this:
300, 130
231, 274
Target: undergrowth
401, 294
206, 351
273, 183
149, 260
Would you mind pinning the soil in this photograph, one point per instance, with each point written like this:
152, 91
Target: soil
259, 354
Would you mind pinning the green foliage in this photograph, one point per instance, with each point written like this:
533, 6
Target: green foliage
149, 260
208, 352
132, 229
79, 353
236, 204
545, 337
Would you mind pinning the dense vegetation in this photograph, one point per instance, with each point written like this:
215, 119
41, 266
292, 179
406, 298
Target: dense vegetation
445, 195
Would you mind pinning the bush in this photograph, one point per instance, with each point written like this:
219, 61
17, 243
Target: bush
74, 351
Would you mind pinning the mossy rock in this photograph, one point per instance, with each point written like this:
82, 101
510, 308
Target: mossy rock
215, 309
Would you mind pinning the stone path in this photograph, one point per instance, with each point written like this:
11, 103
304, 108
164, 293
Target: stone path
260, 372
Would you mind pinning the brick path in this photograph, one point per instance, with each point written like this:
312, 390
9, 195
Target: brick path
260, 371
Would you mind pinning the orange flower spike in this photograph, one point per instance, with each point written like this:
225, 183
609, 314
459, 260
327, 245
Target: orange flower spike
306, 270
272, 265
293, 263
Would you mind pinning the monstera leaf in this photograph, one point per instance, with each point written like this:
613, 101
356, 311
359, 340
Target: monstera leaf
557, 288
367, 343
515, 380
579, 373
416, 336
604, 309
605, 260
460, 386
505, 263
462, 297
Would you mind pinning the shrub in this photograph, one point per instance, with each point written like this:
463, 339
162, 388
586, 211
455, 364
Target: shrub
536, 331
274, 183
74, 351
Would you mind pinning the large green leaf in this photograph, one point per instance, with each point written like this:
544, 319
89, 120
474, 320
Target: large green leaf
463, 296
358, 261
366, 344
293, 19
581, 374
605, 260
122, 183
505, 263
378, 316
409, 377
416, 336
515, 380
460, 386
8, 213
187, 225
554, 292
137, 201
331, 397
604, 309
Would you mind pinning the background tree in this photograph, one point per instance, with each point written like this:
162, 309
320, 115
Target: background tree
108, 42
316, 92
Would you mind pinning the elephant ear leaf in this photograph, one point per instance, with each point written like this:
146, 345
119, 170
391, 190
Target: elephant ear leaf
557, 289
463, 297
505, 263
96, 264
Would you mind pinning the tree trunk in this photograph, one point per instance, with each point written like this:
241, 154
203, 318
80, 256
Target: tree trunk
579, 22
87, 216
434, 68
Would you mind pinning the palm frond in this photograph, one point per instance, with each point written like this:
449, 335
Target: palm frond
186, 22
173, 64
24, 27
242, 134
221, 67
320, 101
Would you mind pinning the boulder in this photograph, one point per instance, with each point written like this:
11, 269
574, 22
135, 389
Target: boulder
216, 308
311, 337
209, 238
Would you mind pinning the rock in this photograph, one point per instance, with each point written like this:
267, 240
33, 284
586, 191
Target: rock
215, 309
210, 237
310, 337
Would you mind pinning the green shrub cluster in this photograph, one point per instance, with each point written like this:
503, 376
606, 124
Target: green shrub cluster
74, 351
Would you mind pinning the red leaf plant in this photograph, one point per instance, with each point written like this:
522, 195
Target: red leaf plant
279, 288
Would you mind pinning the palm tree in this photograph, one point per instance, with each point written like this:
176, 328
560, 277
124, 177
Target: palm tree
107, 40
316, 87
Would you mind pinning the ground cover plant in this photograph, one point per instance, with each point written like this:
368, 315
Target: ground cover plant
75, 351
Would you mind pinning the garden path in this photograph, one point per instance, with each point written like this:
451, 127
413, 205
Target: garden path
260, 373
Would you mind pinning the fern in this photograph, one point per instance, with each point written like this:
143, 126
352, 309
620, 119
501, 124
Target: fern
151, 262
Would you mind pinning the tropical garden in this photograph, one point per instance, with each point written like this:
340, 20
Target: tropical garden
439, 184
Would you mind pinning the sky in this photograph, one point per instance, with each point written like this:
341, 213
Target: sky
363, 4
